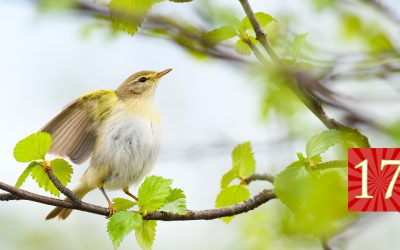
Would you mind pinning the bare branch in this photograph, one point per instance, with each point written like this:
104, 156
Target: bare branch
243, 207
210, 214
307, 98
256, 51
25, 195
201, 44
312, 103
260, 177
174, 28
8, 197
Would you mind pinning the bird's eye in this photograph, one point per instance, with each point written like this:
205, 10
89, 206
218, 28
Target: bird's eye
142, 79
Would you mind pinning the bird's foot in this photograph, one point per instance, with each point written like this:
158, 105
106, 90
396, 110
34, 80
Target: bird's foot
111, 210
130, 195
111, 207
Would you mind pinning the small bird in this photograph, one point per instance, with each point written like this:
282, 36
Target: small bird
120, 130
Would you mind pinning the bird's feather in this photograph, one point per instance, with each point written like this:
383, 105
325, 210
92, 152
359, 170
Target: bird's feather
74, 129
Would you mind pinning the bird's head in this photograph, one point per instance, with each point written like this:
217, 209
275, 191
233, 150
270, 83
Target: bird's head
140, 84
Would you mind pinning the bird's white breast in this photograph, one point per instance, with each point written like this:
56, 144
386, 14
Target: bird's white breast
127, 149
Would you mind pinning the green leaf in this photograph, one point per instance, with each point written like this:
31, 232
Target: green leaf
153, 193
228, 177
316, 159
262, 18
322, 142
243, 164
43, 180
121, 204
291, 183
317, 199
121, 224
127, 15
352, 25
243, 159
380, 42
220, 34
253, 39
273, 103
33, 147
352, 138
320, 216
175, 203
298, 44
26, 173
242, 48
231, 196
146, 233
62, 170
332, 164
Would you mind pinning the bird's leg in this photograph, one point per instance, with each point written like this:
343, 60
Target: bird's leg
110, 205
126, 191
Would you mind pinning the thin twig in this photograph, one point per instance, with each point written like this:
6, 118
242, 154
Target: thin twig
260, 34
208, 214
67, 192
312, 103
256, 51
175, 29
260, 177
200, 45
307, 98
26, 195
296, 84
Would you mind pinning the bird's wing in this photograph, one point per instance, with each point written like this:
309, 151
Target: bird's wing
74, 129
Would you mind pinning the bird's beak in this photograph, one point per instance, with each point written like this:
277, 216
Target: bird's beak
163, 73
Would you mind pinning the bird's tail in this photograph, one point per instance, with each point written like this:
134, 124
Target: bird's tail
62, 213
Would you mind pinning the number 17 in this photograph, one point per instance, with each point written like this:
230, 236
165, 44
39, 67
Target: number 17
364, 178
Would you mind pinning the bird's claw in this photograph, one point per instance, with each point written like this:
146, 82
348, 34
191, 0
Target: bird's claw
111, 210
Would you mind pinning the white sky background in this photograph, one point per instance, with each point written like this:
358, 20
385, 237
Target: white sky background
45, 63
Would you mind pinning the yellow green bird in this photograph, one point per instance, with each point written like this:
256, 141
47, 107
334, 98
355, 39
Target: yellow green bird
120, 130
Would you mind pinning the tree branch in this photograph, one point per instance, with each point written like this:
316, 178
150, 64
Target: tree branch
173, 27
260, 34
297, 84
209, 214
260, 177
256, 51
67, 192
8, 197
312, 103
26, 195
